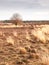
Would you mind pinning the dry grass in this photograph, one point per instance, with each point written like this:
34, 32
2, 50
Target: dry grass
25, 46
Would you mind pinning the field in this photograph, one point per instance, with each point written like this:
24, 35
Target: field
25, 44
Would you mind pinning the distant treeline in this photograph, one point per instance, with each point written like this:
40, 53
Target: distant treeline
30, 22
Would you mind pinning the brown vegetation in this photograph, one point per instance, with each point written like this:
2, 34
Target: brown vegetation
25, 44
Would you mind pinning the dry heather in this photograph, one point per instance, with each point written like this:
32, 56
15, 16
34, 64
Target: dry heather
26, 45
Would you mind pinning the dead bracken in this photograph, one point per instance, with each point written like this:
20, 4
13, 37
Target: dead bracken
22, 50
24, 43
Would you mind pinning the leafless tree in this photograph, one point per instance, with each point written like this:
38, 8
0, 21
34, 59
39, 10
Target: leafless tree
16, 19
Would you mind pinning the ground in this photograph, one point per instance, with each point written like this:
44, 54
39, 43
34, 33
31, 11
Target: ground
24, 45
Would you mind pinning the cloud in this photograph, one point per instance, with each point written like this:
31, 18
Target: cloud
44, 2
24, 4
30, 9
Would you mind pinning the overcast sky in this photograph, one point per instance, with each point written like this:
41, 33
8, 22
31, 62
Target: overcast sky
28, 9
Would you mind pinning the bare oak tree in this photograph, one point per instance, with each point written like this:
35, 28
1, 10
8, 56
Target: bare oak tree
16, 19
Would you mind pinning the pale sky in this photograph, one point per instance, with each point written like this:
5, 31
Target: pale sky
28, 9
